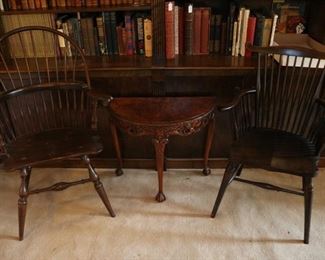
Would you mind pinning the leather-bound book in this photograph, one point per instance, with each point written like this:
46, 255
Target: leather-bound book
78, 3
129, 37
217, 33
44, 4
176, 30
120, 43
38, 3
212, 32
223, 38
24, 4
188, 32
147, 23
250, 33
197, 31
169, 29
205, 28
101, 35
13, 5
108, 32
180, 30
59, 3
31, 4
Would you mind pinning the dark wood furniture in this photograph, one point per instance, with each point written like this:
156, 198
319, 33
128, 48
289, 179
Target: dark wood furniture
160, 118
280, 125
48, 116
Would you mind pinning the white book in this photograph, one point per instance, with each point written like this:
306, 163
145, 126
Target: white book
274, 22
176, 29
239, 29
244, 32
1, 5
234, 38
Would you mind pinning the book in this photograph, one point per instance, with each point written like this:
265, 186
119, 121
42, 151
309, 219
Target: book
212, 33
234, 39
258, 38
267, 26
197, 31
274, 23
244, 32
180, 30
169, 29
250, 33
140, 35
129, 37
148, 37
205, 29
217, 33
188, 32
176, 29
223, 38
239, 30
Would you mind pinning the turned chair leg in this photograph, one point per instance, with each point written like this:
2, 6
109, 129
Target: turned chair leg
308, 197
229, 175
98, 185
211, 127
22, 201
160, 145
117, 147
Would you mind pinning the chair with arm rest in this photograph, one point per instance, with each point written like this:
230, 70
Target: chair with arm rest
280, 125
46, 114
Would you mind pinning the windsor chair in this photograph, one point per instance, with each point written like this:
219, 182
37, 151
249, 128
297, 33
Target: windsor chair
45, 112
279, 125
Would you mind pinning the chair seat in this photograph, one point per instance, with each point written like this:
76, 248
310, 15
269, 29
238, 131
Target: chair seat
276, 150
51, 145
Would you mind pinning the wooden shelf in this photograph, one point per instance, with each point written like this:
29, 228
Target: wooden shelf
80, 9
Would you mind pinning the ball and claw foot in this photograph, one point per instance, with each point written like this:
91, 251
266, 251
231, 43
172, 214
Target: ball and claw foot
206, 171
160, 197
119, 172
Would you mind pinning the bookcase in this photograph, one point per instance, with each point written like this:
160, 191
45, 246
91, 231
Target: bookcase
214, 74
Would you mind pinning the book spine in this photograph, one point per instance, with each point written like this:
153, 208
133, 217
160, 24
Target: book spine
113, 32
169, 30
244, 32
223, 38
140, 35
176, 29
250, 34
205, 30
267, 26
101, 35
217, 33
148, 37
239, 30
212, 33
274, 23
234, 39
128, 29
108, 33
188, 32
197, 31
24, 4
181, 30
258, 38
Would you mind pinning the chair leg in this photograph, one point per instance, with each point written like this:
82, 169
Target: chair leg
29, 170
308, 197
211, 127
117, 147
22, 201
98, 185
229, 175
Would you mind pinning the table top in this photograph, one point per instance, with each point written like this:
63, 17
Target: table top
161, 110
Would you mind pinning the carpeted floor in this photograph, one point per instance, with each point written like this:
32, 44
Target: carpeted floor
252, 223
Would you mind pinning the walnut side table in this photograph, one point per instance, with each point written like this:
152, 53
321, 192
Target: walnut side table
161, 117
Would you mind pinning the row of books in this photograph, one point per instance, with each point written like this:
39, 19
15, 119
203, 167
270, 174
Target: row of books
6, 5
195, 30
104, 35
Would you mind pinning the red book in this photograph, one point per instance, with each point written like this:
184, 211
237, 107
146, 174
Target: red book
250, 33
181, 30
205, 27
169, 29
197, 31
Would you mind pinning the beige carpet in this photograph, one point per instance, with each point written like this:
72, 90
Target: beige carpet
73, 224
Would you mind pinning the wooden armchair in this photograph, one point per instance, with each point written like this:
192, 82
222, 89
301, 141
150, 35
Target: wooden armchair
280, 125
45, 112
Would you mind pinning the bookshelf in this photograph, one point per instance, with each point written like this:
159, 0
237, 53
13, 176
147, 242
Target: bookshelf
186, 75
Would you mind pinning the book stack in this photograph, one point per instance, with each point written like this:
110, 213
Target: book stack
187, 30
110, 33
197, 30
6, 5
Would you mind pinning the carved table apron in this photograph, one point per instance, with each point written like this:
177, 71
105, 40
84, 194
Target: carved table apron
161, 117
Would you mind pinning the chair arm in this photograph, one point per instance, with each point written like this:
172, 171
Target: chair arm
104, 99
236, 100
